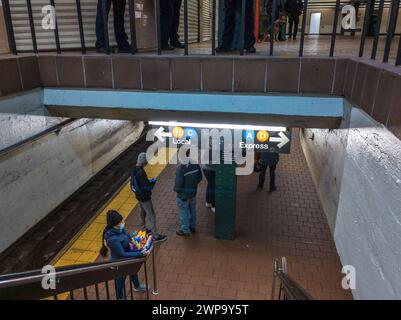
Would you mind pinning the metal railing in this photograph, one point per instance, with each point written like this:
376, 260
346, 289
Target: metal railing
76, 281
369, 5
289, 289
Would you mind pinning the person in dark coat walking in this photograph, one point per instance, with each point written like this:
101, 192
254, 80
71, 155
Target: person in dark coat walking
142, 187
116, 239
294, 9
268, 159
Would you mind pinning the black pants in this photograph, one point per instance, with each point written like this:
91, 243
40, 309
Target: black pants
294, 23
211, 186
169, 20
262, 175
119, 30
229, 23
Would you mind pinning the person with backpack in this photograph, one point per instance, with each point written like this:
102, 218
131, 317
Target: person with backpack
142, 187
187, 178
116, 239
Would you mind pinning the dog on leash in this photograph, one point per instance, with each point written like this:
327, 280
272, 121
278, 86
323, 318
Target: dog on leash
277, 26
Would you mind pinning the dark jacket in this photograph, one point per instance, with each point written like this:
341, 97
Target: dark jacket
269, 159
141, 185
294, 8
118, 243
187, 178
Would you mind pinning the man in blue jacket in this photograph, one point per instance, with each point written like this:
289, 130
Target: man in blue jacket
187, 178
142, 187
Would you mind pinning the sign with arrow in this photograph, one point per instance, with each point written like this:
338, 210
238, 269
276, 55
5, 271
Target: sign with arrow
268, 141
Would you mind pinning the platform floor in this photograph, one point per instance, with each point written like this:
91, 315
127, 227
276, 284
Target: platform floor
289, 222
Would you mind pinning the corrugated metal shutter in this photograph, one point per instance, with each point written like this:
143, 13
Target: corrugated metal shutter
206, 20
67, 23
192, 21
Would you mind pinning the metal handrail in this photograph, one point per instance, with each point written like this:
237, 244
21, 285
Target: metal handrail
36, 137
289, 289
28, 285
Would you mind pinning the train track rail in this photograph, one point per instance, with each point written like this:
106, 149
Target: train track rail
41, 244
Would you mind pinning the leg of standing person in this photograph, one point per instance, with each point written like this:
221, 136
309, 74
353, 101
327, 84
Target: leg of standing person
249, 37
296, 25
291, 24
262, 175
174, 37
100, 37
272, 175
150, 213
229, 24
143, 216
119, 29
120, 283
208, 188
183, 208
213, 188
193, 215
166, 19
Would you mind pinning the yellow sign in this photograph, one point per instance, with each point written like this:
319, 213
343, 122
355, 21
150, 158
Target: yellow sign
178, 132
262, 136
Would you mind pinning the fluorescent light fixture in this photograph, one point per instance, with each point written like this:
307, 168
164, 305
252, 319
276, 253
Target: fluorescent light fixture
215, 126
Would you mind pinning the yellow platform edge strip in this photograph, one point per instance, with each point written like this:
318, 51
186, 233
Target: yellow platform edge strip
86, 245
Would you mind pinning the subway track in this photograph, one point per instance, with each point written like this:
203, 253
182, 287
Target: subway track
48, 237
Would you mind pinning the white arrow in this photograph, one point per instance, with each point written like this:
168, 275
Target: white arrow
160, 134
282, 140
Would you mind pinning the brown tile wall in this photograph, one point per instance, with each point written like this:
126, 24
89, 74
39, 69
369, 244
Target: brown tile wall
373, 86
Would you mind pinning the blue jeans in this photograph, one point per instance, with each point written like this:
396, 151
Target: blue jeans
187, 210
120, 283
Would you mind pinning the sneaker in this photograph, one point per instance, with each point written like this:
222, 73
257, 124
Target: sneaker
208, 205
148, 231
142, 287
259, 188
167, 48
193, 230
251, 50
125, 49
182, 234
101, 50
177, 44
213, 210
222, 49
272, 189
160, 238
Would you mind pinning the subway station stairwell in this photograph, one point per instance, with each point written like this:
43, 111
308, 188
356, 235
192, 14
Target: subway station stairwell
337, 203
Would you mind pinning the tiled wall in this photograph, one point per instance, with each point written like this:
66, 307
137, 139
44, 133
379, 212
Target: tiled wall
373, 86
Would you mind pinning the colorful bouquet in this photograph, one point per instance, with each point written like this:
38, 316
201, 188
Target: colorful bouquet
140, 240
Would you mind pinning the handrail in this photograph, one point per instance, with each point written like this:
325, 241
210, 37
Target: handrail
66, 279
36, 137
289, 289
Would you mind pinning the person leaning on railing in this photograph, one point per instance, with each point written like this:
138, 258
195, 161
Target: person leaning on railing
118, 240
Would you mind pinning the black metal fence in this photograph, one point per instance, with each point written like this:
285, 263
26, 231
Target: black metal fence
370, 5
80, 282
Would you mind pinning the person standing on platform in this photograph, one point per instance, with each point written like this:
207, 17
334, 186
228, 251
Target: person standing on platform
230, 7
209, 171
268, 159
142, 187
170, 22
119, 29
294, 9
187, 178
116, 239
